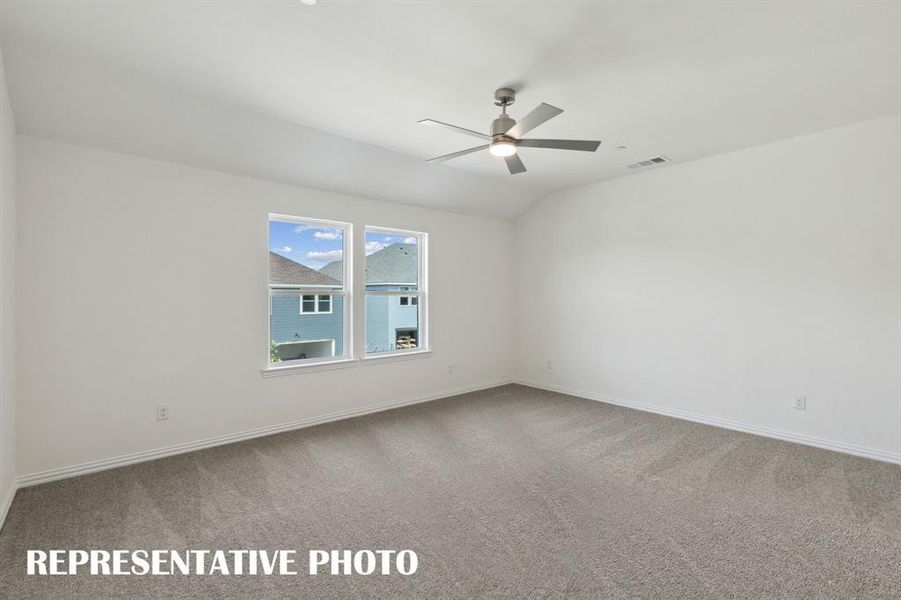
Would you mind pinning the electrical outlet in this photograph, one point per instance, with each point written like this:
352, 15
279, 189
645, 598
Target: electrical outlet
801, 402
549, 366
162, 412
450, 369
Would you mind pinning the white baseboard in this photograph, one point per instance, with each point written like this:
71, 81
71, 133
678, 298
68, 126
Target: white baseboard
778, 434
128, 459
7, 502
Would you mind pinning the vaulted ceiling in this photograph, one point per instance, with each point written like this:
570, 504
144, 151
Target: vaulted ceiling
329, 95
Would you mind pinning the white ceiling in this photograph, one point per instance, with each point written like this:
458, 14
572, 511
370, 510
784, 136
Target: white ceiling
267, 88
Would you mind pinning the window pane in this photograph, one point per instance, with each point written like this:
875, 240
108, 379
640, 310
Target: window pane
305, 258
319, 248
393, 264
390, 325
392, 261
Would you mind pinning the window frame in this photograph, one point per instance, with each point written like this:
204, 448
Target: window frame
346, 292
421, 293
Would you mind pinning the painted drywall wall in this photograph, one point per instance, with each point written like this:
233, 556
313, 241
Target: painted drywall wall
146, 283
728, 286
7, 296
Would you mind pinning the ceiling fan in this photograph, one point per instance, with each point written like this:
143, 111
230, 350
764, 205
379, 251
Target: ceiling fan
506, 134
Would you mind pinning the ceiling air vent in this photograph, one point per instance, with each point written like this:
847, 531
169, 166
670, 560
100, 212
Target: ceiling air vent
657, 160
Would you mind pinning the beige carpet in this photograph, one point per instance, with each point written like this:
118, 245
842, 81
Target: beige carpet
507, 493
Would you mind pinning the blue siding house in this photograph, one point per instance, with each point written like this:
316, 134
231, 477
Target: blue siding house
307, 322
387, 320
287, 325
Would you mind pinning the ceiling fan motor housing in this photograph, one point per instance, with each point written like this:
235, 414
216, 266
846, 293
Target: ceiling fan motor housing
503, 97
501, 125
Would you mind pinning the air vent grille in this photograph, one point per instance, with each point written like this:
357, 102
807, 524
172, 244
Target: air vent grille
657, 160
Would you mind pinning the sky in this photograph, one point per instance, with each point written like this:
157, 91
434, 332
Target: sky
317, 246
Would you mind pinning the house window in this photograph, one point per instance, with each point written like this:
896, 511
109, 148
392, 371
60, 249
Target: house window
396, 267
309, 293
405, 338
312, 304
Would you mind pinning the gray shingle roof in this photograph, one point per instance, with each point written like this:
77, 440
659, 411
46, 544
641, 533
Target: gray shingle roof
397, 263
334, 269
284, 271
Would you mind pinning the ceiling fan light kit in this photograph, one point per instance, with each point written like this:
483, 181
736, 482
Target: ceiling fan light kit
502, 148
506, 133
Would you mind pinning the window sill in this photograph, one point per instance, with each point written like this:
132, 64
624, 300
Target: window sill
343, 363
325, 365
396, 356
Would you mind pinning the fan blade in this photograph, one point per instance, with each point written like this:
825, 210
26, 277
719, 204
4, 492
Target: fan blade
543, 112
456, 154
462, 130
514, 163
583, 145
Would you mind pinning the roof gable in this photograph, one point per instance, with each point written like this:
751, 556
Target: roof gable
397, 263
286, 272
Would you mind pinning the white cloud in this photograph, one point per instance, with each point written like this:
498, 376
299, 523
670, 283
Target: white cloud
284, 249
373, 246
301, 228
410, 240
329, 234
325, 256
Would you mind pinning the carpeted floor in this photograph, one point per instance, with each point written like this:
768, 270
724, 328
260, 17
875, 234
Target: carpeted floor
507, 493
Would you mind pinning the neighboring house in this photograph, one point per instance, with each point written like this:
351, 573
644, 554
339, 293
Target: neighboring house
392, 322
310, 325
303, 325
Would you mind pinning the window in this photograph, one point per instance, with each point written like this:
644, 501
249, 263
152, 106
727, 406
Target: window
309, 290
395, 266
316, 304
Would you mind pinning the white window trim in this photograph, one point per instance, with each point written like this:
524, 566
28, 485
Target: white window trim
316, 310
395, 355
308, 365
421, 292
349, 358
317, 364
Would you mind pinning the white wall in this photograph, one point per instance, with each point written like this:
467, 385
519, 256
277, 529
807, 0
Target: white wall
7, 296
173, 260
722, 287
726, 286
